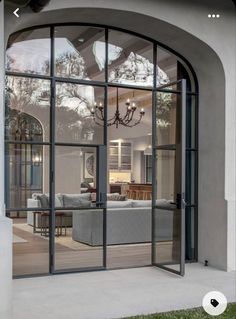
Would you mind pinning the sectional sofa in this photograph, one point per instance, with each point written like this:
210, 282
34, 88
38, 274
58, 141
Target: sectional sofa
128, 221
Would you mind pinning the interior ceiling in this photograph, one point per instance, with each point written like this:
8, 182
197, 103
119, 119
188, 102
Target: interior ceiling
89, 35
129, 44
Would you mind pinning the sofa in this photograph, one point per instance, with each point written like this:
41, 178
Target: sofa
128, 222
61, 200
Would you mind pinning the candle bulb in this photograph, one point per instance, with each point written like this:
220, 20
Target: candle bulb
127, 102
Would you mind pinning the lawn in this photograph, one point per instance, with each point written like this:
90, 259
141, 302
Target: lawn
197, 313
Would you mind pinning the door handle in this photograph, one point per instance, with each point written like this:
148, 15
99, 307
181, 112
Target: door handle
180, 201
184, 202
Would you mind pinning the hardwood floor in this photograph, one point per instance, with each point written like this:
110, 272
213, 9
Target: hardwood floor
31, 257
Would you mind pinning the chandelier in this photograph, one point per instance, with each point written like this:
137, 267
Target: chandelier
127, 120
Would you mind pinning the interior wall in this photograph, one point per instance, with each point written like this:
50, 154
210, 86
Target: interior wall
203, 43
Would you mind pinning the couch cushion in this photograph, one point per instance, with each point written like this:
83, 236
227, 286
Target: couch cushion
163, 203
116, 197
148, 203
141, 203
119, 204
77, 200
110, 195
58, 200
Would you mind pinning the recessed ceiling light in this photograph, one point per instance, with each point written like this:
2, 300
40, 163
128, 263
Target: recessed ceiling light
81, 40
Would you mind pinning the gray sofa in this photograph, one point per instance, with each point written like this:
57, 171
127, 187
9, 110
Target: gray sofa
61, 200
127, 222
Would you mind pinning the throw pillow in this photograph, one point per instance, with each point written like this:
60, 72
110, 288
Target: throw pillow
43, 200
76, 201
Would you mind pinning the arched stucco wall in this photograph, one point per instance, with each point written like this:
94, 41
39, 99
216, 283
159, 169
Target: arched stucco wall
187, 30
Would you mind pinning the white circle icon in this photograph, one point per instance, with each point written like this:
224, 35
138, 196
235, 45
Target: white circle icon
214, 303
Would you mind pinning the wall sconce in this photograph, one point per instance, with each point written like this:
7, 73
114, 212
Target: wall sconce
37, 158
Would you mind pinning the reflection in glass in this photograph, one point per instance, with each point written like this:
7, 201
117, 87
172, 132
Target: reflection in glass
28, 173
80, 52
80, 243
166, 114
167, 237
190, 172
74, 121
75, 172
190, 233
130, 59
191, 121
166, 170
166, 67
29, 52
30, 245
27, 109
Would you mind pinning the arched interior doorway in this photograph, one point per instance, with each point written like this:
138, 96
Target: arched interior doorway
99, 93
25, 170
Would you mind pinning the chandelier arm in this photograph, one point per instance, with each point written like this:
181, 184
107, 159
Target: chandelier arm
127, 116
135, 123
130, 117
111, 119
97, 122
97, 115
102, 114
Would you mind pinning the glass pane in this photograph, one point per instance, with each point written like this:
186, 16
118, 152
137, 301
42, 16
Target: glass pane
80, 52
135, 111
191, 121
79, 239
190, 233
129, 230
129, 209
166, 67
167, 238
130, 59
27, 109
74, 121
190, 177
166, 173
27, 179
168, 105
30, 243
29, 52
75, 174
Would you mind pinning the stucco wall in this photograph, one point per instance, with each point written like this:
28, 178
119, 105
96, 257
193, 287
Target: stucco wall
5, 223
209, 45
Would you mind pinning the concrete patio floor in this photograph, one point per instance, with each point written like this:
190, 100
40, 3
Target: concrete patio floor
117, 293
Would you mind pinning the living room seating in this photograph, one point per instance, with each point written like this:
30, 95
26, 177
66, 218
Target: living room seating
61, 200
128, 222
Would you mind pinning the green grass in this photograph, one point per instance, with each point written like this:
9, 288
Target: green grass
198, 313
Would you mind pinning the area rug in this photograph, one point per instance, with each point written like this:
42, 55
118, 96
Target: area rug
18, 240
